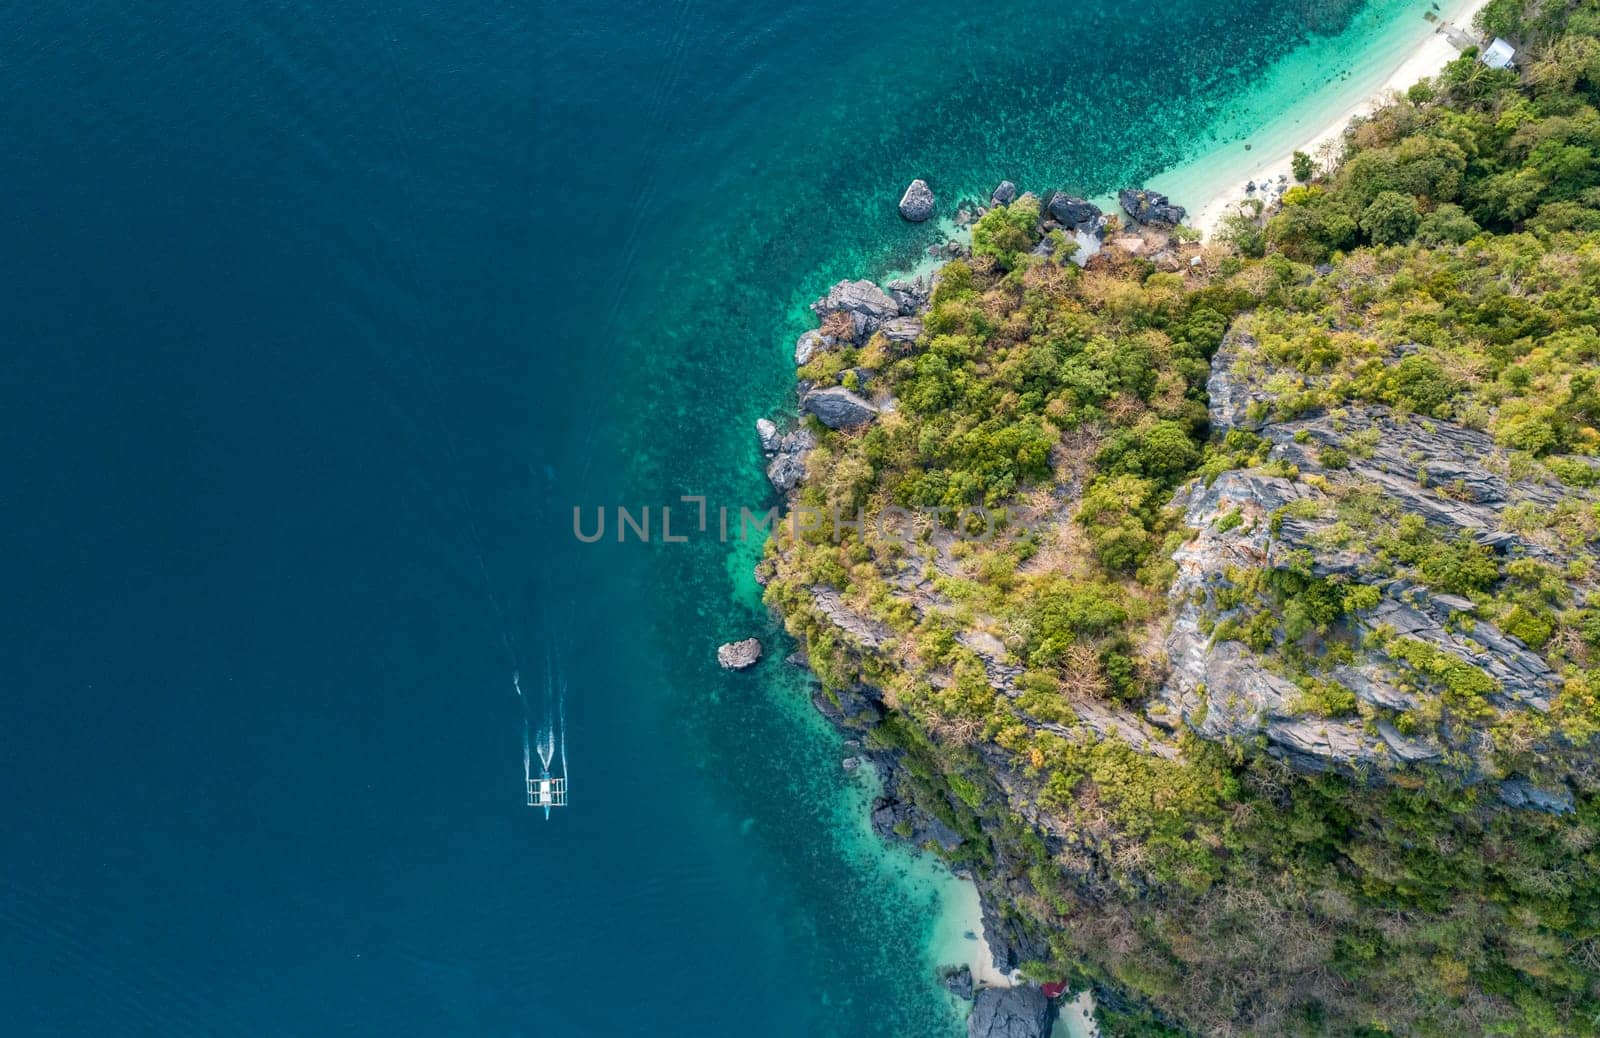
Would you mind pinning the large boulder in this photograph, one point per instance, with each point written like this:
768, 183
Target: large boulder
958, 981
911, 295
1004, 194
809, 345
1150, 207
867, 306
916, 204
767, 432
838, 408
893, 818
740, 655
786, 471
1020, 1012
788, 467
1073, 213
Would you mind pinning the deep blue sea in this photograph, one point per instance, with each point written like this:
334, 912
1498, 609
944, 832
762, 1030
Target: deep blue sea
318, 319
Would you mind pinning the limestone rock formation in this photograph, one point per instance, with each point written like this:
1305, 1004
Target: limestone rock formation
865, 305
839, 408
916, 204
740, 655
1073, 213
1019, 1012
1151, 207
788, 467
1398, 649
767, 433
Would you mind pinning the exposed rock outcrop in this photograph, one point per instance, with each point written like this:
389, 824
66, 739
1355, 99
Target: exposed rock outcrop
865, 632
809, 344
1074, 213
788, 467
902, 331
1004, 194
1019, 1012
916, 204
892, 818
1150, 207
839, 408
958, 981
910, 294
740, 655
1452, 477
865, 304
1237, 402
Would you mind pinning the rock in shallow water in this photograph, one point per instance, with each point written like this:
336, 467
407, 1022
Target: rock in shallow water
1004, 193
1073, 213
1021, 1012
1151, 207
916, 204
958, 981
768, 434
739, 655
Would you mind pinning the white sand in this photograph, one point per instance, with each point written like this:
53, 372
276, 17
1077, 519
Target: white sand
951, 945
964, 915
1425, 60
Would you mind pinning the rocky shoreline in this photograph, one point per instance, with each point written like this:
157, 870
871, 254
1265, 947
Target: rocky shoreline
852, 312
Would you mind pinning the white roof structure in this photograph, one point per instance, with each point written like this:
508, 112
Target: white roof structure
547, 792
1498, 54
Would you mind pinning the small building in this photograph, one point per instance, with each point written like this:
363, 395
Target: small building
1498, 54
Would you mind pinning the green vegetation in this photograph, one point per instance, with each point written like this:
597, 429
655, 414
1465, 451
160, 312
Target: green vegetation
1217, 890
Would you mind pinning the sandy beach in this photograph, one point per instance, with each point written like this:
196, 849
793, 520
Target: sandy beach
1430, 55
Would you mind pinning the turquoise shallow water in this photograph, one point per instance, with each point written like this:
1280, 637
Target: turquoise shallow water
323, 316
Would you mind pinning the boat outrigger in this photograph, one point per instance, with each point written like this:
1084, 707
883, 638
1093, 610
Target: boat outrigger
547, 792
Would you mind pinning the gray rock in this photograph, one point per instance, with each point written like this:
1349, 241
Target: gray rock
809, 345
1004, 194
958, 981
1151, 207
1073, 213
740, 655
902, 331
868, 305
916, 204
767, 432
1524, 794
895, 819
1233, 388
1020, 1012
786, 471
1223, 689
864, 631
797, 441
838, 408
789, 466
911, 295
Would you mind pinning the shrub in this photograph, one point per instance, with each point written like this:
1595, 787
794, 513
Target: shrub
1302, 166
1007, 231
1447, 225
1390, 218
